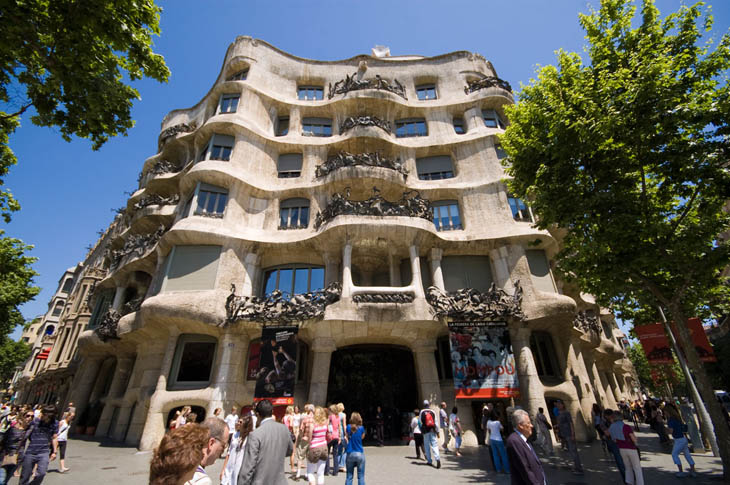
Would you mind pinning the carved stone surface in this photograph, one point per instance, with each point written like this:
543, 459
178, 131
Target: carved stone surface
95, 272
353, 121
346, 159
383, 298
470, 304
167, 133
487, 82
156, 199
278, 308
586, 323
351, 83
410, 205
108, 328
137, 244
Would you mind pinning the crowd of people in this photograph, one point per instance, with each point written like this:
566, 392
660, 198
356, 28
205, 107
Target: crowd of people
30, 438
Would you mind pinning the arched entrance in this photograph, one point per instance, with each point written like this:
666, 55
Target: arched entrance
364, 377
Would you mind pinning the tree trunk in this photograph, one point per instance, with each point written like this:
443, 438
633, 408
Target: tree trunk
704, 386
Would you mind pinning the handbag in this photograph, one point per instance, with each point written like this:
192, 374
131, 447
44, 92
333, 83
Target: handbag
10, 459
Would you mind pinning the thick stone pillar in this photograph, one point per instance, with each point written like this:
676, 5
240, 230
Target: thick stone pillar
615, 385
502, 272
84, 383
426, 371
583, 425
416, 272
229, 371
251, 266
610, 398
321, 349
331, 268
118, 298
394, 266
347, 270
531, 389
120, 379
437, 276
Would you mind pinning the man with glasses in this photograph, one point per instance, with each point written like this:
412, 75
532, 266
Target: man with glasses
217, 443
42, 445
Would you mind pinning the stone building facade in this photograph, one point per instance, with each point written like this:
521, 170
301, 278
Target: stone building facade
372, 190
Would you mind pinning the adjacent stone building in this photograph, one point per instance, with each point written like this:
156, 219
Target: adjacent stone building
358, 199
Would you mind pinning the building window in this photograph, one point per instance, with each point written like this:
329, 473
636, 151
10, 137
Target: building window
293, 279
310, 93
211, 201
501, 154
290, 165
229, 103
443, 359
282, 126
492, 119
190, 268
426, 92
435, 168
520, 211
459, 126
466, 272
294, 214
540, 270
607, 330
543, 350
57, 309
317, 127
238, 76
67, 285
192, 364
220, 147
446, 215
103, 302
410, 127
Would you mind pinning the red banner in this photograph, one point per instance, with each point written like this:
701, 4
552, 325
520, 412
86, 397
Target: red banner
699, 340
656, 344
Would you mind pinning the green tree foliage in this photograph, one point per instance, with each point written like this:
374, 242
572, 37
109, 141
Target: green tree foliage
12, 354
628, 155
16, 282
67, 60
654, 378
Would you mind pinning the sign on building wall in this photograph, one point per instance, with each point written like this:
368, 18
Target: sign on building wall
276, 370
482, 360
656, 344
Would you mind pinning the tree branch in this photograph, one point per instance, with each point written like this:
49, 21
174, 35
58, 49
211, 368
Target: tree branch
17, 113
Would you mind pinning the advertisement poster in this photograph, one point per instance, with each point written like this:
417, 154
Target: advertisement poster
482, 360
276, 370
656, 344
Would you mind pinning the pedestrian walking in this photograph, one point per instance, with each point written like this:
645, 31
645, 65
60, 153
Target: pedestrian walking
11, 450
63, 427
333, 441
355, 451
317, 453
215, 445
342, 451
417, 436
428, 423
625, 438
444, 424
455, 430
231, 419
526, 466
266, 449
611, 446
42, 447
178, 455
544, 440
499, 452
567, 436
291, 423
681, 444
305, 432
236, 450
379, 426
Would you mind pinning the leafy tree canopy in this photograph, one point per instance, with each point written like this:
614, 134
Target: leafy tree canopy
12, 354
16, 282
68, 61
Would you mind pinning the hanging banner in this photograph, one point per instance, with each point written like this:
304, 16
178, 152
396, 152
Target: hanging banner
656, 344
482, 360
699, 340
277, 365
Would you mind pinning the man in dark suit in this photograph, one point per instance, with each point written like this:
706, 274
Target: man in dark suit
266, 449
525, 465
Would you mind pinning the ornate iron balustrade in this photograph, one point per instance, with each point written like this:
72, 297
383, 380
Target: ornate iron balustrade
168, 133
346, 159
587, 323
351, 83
410, 205
353, 121
487, 82
108, 328
156, 199
164, 166
470, 304
137, 244
383, 298
278, 308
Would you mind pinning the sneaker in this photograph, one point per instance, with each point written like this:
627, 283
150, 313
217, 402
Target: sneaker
438, 464
681, 474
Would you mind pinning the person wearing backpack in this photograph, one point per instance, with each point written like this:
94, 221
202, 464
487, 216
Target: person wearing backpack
430, 429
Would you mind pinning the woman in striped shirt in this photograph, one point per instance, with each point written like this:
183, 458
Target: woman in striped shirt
317, 454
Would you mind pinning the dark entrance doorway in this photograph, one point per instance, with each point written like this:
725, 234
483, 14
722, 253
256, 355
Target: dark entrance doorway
363, 377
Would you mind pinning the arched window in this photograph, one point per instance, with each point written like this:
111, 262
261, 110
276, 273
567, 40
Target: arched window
58, 308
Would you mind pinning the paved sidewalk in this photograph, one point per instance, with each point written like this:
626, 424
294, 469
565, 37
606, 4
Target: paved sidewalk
94, 462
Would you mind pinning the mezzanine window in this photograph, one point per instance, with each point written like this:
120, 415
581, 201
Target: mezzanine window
426, 92
310, 93
282, 126
435, 168
459, 126
290, 165
410, 127
316, 127
491, 119
229, 103
446, 215
211, 201
219, 147
294, 213
293, 279
238, 76
540, 270
520, 211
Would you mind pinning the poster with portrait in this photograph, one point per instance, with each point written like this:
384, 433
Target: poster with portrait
482, 360
277, 365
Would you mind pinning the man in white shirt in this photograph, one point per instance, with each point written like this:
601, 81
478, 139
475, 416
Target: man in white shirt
217, 442
231, 421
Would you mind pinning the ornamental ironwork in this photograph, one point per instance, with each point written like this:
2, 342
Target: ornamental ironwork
164, 166
132, 305
137, 244
411, 204
346, 159
279, 307
351, 83
353, 121
108, 328
587, 323
156, 199
487, 82
470, 304
168, 133
377, 297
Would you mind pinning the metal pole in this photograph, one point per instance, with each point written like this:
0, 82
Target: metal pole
705, 422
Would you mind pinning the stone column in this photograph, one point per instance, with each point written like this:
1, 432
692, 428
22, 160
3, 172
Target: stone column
251, 266
347, 270
331, 268
615, 385
228, 373
84, 382
531, 389
437, 276
118, 298
322, 348
426, 371
120, 379
394, 267
583, 425
416, 272
500, 263
610, 398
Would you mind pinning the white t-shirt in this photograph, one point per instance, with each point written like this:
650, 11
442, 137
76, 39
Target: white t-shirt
495, 431
231, 421
414, 426
63, 430
453, 419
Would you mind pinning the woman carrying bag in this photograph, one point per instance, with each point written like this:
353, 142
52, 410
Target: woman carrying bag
681, 444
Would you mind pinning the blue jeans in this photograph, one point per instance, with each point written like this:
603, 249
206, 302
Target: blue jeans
431, 445
613, 448
341, 454
499, 453
29, 461
6, 473
332, 448
355, 459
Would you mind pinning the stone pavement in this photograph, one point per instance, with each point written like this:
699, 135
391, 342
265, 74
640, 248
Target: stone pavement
94, 462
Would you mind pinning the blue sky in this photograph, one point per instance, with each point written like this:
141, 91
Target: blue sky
68, 192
